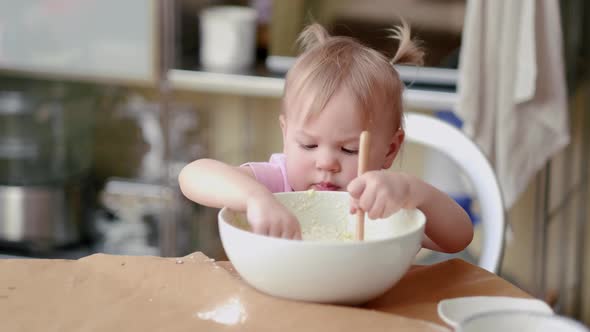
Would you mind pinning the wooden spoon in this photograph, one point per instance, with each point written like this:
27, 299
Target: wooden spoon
362, 168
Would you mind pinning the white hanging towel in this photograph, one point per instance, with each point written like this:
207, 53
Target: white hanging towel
512, 92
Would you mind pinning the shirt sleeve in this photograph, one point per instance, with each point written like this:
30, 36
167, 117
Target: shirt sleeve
268, 174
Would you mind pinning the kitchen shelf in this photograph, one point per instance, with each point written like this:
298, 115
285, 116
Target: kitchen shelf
415, 96
240, 84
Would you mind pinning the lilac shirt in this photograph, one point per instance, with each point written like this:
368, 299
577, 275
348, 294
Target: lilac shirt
272, 174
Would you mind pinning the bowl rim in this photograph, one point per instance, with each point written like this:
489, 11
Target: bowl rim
419, 228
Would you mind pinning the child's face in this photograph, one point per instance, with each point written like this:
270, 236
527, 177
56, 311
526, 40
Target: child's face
322, 152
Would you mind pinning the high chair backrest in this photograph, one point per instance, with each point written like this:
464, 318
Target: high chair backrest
450, 141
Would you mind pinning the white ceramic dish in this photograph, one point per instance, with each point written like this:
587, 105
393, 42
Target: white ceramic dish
519, 321
454, 311
327, 268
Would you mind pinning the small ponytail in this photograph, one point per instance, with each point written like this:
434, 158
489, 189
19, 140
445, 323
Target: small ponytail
409, 51
312, 36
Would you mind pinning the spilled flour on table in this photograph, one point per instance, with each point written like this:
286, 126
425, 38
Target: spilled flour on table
231, 312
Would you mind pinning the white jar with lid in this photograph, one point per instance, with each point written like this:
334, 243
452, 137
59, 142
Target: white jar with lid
228, 38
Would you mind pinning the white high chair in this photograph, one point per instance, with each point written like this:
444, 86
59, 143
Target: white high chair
450, 141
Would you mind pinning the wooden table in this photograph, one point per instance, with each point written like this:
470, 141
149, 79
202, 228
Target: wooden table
193, 293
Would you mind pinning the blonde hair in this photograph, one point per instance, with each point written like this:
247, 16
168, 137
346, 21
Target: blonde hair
328, 63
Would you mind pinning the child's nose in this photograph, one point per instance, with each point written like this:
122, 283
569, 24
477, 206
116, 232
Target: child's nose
328, 162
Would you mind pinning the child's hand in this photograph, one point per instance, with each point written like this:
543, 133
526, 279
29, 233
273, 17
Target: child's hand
380, 193
269, 217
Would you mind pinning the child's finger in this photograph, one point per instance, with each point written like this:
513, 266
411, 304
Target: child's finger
278, 228
287, 233
260, 228
353, 206
356, 187
390, 208
291, 229
294, 232
376, 211
367, 200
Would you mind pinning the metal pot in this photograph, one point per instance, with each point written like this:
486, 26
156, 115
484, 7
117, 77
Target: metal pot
41, 218
45, 157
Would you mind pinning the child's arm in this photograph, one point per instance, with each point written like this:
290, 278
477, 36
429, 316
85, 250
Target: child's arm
382, 193
216, 184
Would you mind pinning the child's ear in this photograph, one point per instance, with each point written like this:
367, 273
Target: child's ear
283, 122
394, 146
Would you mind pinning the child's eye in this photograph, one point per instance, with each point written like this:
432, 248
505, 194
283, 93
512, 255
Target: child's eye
308, 146
350, 151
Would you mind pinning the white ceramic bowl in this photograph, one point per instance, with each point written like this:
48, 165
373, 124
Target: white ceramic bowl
324, 268
455, 310
519, 321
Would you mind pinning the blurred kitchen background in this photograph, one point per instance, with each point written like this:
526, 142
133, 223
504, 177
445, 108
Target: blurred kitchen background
102, 102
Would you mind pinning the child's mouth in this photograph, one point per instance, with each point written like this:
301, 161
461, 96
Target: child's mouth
326, 186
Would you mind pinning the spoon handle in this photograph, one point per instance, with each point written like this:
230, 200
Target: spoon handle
362, 168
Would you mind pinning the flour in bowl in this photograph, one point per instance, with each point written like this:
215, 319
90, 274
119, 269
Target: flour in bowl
326, 217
